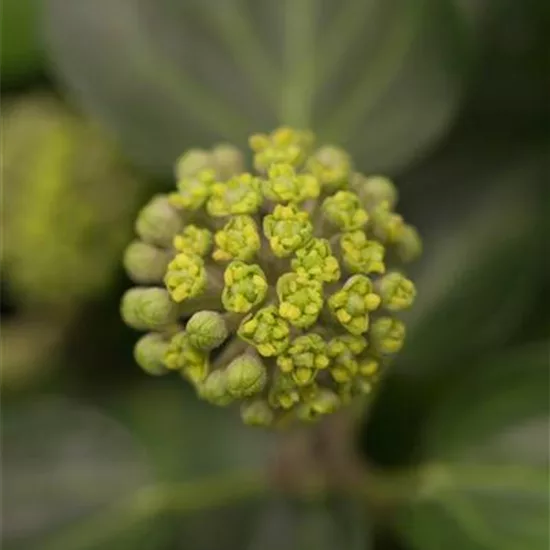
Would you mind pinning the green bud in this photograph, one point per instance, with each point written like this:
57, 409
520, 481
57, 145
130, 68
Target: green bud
148, 309
386, 225
304, 357
183, 356
257, 413
324, 402
315, 261
397, 292
287, 228
149, 353
283, 393
193, 240
284, 185
284, 145
239, 195
245, 376
352, 304
266, 330
361, 255
228, 161
185, 277
238, 240
206, 330
343, 209
408, 244
214, 389
387, 335
245, 287
158, 222
145, 263
369, 366
301, 299
193, 162
343, 350
331, 166
374, 190
193, 191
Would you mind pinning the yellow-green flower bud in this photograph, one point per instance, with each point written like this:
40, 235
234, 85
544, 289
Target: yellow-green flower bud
238, 240
245, 287
149, 353
193, 162
301, 299
386, 225
206, 330
374, 190
408, 244
182, 356
257, 413
266, 330
193, 240
145, 263
158, 222
397, 292
369, 366
304, 357
284, 145
361, 255
185, 277
148, 309
240, 195
331, 166
228, 161
287, 228
343, 350
387, 335
324, 401
245, 376
193, 191
315, 261
352, 304
344, 210
284, 393
214, 389
284, 185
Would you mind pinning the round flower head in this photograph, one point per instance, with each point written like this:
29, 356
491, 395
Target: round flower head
282, 299
239, 195
183, 356
284, 185
352, 305
158, 222
303, 358
193, 191
185, 277
397, 292
315, 261
238, 240
193, 240
287, 229
343, 209
362, 255
267, 331
245, 287
331, 166
300, 299
284, 145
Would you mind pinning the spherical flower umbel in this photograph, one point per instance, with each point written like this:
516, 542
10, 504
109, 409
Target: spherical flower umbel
276, 291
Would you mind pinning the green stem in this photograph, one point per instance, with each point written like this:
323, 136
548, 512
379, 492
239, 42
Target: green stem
299, 63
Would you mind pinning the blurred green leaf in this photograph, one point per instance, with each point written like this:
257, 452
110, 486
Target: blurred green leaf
21, 48
382, 78
489, 440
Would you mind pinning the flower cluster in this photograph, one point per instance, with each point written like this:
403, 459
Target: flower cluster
275, 290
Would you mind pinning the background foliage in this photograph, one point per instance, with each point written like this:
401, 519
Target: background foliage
448, 97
